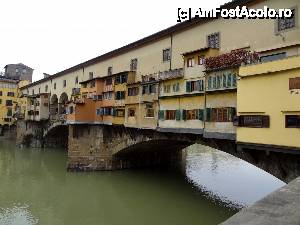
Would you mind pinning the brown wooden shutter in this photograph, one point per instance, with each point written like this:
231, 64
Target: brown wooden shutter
265, 121
294, 83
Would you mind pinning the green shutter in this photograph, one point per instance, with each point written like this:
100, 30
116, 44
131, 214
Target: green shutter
224, 81
231, 114
161, 114
177, 114
208, 114
188, 86
183, 114
229, 80
200, 114
113, 112
234, 80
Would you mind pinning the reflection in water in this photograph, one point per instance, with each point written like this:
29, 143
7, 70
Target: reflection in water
35, 188
228, 178
17, 215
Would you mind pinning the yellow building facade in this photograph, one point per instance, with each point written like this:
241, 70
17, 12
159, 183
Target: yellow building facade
8, 101
268, 100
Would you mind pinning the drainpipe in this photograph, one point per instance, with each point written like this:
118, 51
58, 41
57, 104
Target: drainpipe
171, 51
204, 111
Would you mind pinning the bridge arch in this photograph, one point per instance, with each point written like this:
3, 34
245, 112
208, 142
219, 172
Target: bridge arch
63, 99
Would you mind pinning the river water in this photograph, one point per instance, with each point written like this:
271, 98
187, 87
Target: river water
36, 189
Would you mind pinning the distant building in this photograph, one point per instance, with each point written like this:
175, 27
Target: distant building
8, 100
18, 72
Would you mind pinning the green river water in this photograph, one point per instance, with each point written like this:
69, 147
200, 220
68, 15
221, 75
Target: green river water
35, 188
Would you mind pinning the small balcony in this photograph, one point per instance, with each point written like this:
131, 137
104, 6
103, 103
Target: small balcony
171, 74
150, 78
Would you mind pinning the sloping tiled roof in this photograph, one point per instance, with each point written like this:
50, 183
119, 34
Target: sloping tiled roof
153, 37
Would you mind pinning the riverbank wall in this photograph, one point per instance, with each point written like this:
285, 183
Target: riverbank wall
281, 207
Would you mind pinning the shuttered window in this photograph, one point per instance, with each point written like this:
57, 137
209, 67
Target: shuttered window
294, 83
183, 114
220, 114
255, 121
292, 121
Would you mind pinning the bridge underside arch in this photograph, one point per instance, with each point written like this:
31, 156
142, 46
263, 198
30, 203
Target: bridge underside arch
150, 153
56, 137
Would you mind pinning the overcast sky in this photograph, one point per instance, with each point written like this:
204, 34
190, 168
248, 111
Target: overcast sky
52, 35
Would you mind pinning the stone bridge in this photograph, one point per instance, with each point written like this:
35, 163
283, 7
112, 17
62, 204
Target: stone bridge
106, 147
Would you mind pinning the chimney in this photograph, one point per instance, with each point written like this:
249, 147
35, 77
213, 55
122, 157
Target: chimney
46, 75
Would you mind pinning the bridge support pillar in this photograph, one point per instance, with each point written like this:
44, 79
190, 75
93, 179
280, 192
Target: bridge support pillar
87, 149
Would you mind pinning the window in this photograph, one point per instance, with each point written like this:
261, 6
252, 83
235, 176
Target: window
107, 111
287, 23
11, 94
0, 93
121, 78
39, 90
108, 81
99, 112
149, 89
7, 119
220, 114
191, 114
292, 121
120, 112
273, 57
37, 113
37, 103
133, 64
91, 75
17, 70
107, 95
9, 112
64, 83
221, 81
54, 86
133, 91
294, 83
255, 121
145, 89
166, 55
213, 40
197, 85
109, 70
92, 83
176, 87
170, 114
46, 88
0, 101
76, 80
131, 112
152, 88
32, 91
201, 60
9, 103
190, 62
167, 88
24, 71
120, 95
149, 110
